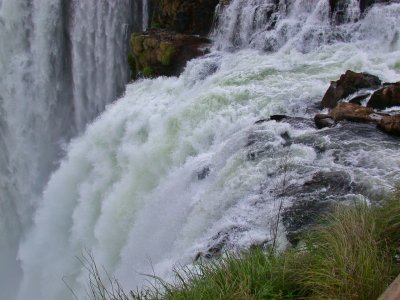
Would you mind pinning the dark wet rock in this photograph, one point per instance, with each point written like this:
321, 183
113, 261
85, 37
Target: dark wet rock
301, 216
312, 199
349, 83
386, 97
339, 5
287, 139
390, 124
191, 17
164, 53
219, 243
358, 99
364, 4
203, 173
323, 120
261, 121
278, 118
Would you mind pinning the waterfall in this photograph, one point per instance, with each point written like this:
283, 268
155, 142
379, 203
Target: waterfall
175, 168
270, 25
61, 64
145, 15
178, 168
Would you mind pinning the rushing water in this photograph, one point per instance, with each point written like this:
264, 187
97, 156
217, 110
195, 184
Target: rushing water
167, 171
61, 62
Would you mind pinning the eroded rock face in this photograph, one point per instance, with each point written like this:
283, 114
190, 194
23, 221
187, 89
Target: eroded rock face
386, 97
164, 53
349, 83
390, 124
184, 16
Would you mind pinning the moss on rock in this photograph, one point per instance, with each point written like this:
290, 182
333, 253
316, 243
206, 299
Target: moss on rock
163, 53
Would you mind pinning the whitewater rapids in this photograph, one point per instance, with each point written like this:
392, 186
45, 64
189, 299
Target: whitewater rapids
131, 190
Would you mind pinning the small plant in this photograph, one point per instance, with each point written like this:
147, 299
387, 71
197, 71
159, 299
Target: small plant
148, 72
167, 53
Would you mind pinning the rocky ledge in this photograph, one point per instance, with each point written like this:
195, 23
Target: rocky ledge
361, 97
190, 17
163, 53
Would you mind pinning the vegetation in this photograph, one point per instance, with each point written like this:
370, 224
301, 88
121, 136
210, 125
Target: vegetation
167, 52
350, 255
148, 72
132, 65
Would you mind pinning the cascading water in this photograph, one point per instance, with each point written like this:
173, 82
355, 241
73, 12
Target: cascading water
177, 167
60, 64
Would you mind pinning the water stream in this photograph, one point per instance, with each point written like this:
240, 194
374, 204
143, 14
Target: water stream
176, 167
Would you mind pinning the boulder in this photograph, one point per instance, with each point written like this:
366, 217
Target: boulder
164, 53
358, 99
390, 124
349, 83
322, 121
183, 16
386, 97
352, 112
345, 112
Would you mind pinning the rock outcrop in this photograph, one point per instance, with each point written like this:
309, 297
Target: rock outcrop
386, 97
345, 112
390, 124
176, 36
183, 16
164, 53
349, 83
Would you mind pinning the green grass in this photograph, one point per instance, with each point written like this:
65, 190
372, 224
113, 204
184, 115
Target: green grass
350, 255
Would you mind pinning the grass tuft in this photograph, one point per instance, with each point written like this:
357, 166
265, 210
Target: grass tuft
350, 255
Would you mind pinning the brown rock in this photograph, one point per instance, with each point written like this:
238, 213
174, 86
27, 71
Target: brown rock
388, 96
390, 124
349, 83
352, 112
345, 112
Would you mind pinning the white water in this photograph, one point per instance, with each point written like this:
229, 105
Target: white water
145, 14
129, 189
61, 62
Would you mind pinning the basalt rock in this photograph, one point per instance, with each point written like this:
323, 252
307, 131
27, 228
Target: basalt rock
183, 16
390, 124
386, 97
349, 83
164, 53
312, 199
